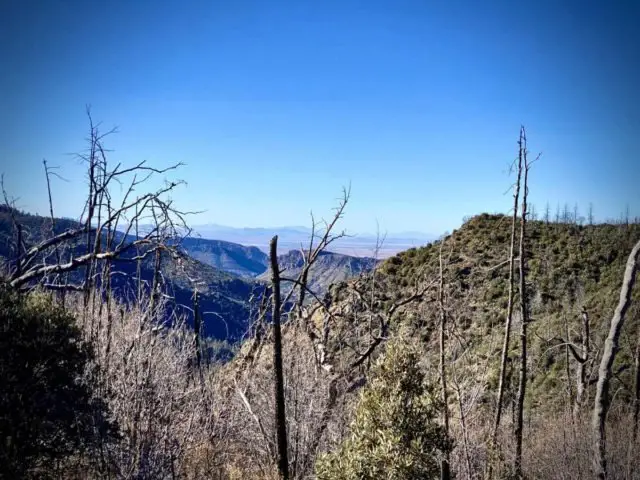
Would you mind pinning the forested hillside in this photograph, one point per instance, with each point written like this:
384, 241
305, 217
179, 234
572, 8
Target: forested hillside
574, 274
572, 268
507, 349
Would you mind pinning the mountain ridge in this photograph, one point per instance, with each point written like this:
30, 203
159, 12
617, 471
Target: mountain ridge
570, 267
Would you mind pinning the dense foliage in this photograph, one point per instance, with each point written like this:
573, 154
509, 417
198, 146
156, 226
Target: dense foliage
47, 409
395, 434
569, 267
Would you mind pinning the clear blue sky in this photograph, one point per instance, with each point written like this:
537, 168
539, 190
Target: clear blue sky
275, 105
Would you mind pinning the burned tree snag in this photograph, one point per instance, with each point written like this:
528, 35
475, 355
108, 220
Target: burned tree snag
281, 420
611, 346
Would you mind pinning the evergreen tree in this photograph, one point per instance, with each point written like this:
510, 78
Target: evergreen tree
395, 434
47, 410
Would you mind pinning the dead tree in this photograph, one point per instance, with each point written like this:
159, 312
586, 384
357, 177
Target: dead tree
445, 469
322, 327
524, 309
281, 420
19, 244
48, 173
583, 361
509, 315
322, 236
611, 346
104, 227
324, 239
567, 361
582, 355
547, 213
566, 214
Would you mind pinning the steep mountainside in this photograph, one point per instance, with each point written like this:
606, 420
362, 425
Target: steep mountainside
328, 269
224, 298
570, 267
227, 256
252, 262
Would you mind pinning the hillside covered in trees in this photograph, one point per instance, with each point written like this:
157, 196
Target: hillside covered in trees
506, 349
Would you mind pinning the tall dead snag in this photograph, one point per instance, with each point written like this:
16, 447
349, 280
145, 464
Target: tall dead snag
507, 325
567, 360
445, 469
47, 173
19, 245
94, 242
324, 239
524, 308
323, 233
611, 346
281, 420
583, 360
197, 329
300, 314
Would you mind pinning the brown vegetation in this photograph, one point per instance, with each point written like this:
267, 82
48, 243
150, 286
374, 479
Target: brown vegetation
315, 376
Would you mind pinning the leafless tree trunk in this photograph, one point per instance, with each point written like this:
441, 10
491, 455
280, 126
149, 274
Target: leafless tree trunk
507, 325
445, 469
281, 420
627, 215
17, 227
566, 214
590, 214
547, 212
524, 311
582, 362
567, 358
47, 171
465, 432
611, 345
197, 327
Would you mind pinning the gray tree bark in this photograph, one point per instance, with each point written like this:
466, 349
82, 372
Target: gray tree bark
582, 364
524, 312
611, 346
507, 325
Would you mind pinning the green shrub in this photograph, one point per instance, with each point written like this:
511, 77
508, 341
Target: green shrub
395, 434
47, 411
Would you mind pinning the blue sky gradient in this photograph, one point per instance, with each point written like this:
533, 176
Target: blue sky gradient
417, 104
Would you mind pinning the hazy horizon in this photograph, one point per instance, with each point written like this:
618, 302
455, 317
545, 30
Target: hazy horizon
275, 107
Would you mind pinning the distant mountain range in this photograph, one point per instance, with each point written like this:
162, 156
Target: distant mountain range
227, 274
228, 256
329, 268
224, 297
294, 238
251, 262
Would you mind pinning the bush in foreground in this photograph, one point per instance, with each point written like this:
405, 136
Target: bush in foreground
47, 410
395, 434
